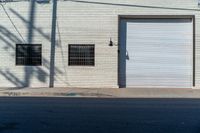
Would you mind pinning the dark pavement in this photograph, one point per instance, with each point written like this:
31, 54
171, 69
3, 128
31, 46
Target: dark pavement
82, 115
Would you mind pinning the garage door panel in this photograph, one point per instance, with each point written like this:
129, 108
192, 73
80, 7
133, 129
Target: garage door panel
156, 52
165, 60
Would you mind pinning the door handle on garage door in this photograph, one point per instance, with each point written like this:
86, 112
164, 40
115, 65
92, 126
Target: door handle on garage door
127, 55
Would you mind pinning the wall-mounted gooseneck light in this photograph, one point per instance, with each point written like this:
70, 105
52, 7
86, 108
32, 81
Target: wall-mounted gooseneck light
111, 42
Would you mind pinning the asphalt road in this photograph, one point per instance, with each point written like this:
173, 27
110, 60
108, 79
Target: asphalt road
81, 115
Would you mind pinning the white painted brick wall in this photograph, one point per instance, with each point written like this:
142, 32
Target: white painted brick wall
78, 23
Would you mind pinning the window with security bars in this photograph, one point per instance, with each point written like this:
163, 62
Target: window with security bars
81, 55
29, 54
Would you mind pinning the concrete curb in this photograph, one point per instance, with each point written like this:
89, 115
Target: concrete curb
100, 92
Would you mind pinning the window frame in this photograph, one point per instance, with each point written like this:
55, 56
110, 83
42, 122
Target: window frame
83, 65
16, 57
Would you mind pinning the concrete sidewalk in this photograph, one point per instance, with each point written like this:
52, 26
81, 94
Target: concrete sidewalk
102, 92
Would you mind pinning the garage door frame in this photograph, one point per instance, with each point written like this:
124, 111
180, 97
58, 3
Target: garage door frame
129, 17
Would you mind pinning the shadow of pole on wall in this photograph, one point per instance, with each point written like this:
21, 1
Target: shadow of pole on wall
29, 70
31, 21
53, 43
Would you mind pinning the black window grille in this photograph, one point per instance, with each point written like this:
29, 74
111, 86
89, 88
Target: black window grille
29, 54
81, 55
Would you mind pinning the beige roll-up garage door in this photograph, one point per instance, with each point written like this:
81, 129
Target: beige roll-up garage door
156, 53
